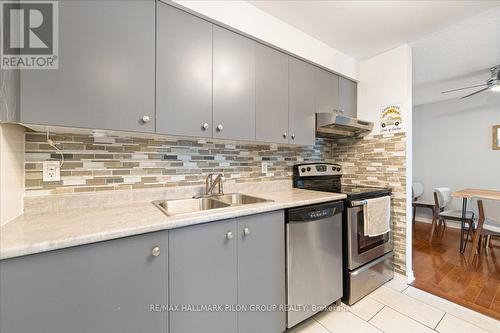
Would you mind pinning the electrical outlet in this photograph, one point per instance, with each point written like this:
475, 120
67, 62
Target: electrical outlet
264, 168
51, 171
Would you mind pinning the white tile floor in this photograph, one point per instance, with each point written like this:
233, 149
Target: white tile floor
397, 307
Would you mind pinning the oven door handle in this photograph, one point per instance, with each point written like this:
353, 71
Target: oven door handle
358, 203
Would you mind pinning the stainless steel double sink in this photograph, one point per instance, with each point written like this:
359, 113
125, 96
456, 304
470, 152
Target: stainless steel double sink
186, 206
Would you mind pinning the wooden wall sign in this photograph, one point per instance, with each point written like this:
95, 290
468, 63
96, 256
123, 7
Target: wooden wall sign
496, 137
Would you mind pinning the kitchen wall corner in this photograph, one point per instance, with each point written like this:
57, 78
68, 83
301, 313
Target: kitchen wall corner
11, 171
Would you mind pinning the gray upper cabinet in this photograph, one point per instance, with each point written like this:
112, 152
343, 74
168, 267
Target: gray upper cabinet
327, 91
104, 287
203, 263
302, 102
271, 75
184, 73
348, 97
106, 75
233, 85
261, 271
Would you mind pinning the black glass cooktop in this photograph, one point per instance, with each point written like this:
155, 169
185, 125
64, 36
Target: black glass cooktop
327, 177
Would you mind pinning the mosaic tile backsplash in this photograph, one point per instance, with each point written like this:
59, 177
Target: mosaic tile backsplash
379, 161
126, 163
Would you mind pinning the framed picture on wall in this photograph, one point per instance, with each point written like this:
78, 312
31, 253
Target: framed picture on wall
496, 137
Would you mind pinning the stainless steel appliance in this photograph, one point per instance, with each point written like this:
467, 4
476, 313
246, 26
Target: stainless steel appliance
368, 261
333, 124
314, 259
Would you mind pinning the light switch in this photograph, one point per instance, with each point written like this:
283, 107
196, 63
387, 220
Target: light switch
264, 168
51, 171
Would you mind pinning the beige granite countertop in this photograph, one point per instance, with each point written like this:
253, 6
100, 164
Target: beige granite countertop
40, 232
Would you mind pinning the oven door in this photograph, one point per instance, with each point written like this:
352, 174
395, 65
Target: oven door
363, 249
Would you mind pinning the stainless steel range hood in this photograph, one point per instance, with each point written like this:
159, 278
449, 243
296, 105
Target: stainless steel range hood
334, 125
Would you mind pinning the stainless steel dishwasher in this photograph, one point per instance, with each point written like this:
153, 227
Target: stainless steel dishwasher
314, 259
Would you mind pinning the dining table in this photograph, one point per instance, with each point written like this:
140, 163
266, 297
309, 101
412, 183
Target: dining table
466, 194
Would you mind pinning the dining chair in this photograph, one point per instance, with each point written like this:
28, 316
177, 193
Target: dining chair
417, 191
488, 223
442, 199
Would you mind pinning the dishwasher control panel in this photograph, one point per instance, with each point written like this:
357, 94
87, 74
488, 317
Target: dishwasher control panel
315, 212
320, 213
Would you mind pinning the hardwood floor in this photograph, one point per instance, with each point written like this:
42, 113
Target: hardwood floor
440, 270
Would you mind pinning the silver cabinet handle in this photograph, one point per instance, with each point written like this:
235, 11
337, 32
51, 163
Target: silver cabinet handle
358, 203
284, 135
220, 127
146, 119
246, 231
229, 235
293, 136
341, 111
204, 126
156, 251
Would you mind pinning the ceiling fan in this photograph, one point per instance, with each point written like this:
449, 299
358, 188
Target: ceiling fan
493, 83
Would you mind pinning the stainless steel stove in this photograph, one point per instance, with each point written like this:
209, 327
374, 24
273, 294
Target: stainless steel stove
367, 261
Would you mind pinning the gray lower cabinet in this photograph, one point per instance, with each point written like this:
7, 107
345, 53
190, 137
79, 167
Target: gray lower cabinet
233, 85
261, 271
327, 93
183, 73
100, 288
302, 102
348, 91
271, 99
202, 267
232, 262
106, 75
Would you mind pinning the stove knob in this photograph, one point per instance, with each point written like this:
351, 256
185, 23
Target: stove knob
338, 169
308, 168
303, 169
333, 168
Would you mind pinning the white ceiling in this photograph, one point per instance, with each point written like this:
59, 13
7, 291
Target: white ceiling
362, 29
455, 57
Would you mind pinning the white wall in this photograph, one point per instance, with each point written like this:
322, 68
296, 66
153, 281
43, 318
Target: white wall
386, 79
244, 17
11, 171
452, 145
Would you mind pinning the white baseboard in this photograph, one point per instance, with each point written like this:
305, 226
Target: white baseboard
449, 223
408, 278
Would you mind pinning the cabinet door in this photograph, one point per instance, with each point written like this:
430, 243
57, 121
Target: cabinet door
183, 73
261, 271
103, 288
203, 266
302, 97
106, 75
348, 97
234, 86
271, 75
327, 91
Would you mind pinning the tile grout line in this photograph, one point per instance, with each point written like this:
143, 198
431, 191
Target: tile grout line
326, 328
366, 321
444, 299
415, 320
377, 312
416, 299
439, 322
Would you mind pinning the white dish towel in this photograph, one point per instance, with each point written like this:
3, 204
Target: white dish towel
377, 216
